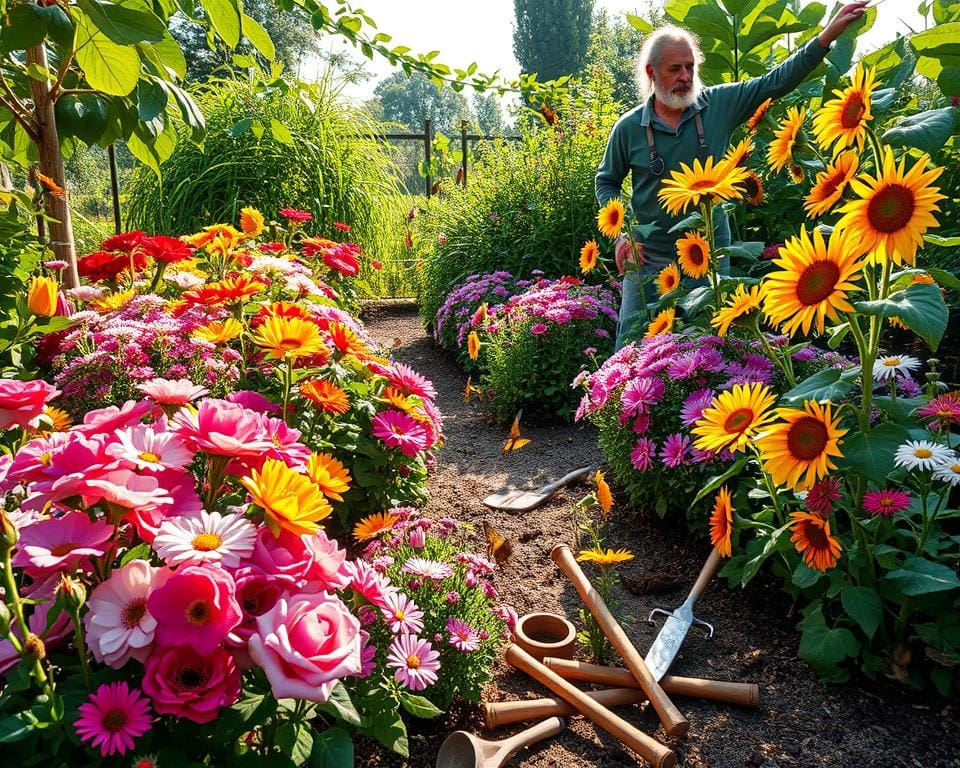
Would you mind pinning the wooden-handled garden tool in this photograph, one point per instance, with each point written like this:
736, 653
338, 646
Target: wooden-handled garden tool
674, 723
525, 500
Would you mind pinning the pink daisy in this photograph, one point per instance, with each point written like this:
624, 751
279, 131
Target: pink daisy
172, 391
640, 394
402, 614
147, 448
463, 637
821, 496
112, 718
674, 450
197, 606
427, 569
403, 376
641, 423
210, 538
945, 409
538, 329
365, 581
415, 662
886, 503
221, 428
62, 542
642, 454
295, 214
400, 430
694, 406
105, 421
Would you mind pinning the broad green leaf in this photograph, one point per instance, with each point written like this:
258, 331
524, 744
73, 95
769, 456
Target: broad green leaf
715, 482
919, 306
389, 730
841, 53
641, 25
189, 111
258, 37
735, 7
295, 741
945, 279
893, 63
17, 727
949, 81
332, 748
140, 552
829, 384
871, 453
280, 132
947, 242
812, 13
863, 605
108, 67
225, 18
151, 100
418, 706
166, 57
340, 705
240, 127
778, 539
24, 26
946, 10
943, 39
123, 24
804, 576
927, 131
152, 151
83, 115
919, 576
824, 648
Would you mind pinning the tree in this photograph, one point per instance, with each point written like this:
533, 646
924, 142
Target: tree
411, 100
551, 37
489, 117
614, 45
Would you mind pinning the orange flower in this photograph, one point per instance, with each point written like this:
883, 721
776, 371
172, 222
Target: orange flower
373, 525
289, 500
588, 256
473, 345
757, 117
327, 396
331, 477
251, 222
721, 523
345, 340
604, 497
812, 539
50, 185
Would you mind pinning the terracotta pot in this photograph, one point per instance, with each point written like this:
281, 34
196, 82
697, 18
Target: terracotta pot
546, 634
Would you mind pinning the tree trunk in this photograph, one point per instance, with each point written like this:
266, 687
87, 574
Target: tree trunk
51, 164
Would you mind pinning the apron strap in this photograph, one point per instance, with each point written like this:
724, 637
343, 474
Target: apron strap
656, 162
702, 150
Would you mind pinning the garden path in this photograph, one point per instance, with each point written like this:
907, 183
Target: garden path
801, 722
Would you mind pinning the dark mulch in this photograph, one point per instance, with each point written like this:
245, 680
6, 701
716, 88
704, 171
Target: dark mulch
800, 722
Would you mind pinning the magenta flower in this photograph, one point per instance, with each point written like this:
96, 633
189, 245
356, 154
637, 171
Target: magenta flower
641, 424
112, 718
945, 409
365, 581
400, 430
463, 637
414, 661
417, 538
886, 503
105, 421
674, 450
694, 406
404, 377
254, 401
196, 606
172, 391
642, 454
62, 542
186, 683
538, 329
295, 214
21, 402
402, 614
427, 569
822, 495
221, 428
640, 394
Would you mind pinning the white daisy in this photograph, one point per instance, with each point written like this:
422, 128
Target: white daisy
923, 455
150, 449
949, 472
184, 280
209, 538
887, 367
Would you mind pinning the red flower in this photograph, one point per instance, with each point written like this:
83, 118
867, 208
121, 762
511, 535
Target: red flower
295, 214
317, 245
166, 249
341, 226
125, 241
102, 265
376, 264
272, 247
343, 259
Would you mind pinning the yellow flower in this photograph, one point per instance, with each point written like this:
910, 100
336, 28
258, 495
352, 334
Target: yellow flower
734, 418
797, 451
707, 182
289, 500
668, 279
604, 497
829, 185
603, 557
755, 119
721, 523
662, 323
780, 151
219, 332
844, 119
741, 303
473, 345
894, 210
753, 188
738, 154
611, 217
208, 234
331, 476
588, 256
811, 538
289, 338
42, 296
373, 525
693, 253
251, 222
814, 283
54, 420
114, 301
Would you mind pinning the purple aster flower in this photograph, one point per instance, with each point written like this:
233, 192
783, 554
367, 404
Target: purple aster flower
642, 454
674, 450
694, 406
640, 394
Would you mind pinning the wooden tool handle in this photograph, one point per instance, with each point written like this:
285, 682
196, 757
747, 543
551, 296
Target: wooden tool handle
706, 573
674, 723
644, 745
498, 713
744, 694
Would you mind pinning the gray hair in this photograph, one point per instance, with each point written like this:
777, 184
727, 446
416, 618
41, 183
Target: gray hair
652, 49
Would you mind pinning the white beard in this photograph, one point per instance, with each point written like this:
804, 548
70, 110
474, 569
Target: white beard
679, 100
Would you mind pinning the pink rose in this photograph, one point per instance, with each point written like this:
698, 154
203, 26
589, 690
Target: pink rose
185, 683
21, 402
306, 644
285, 557
196, 606
327, 570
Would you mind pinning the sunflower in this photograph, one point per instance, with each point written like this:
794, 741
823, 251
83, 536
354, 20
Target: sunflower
741, 303
844, 119
326, 395
604, 497
602, 557
373, 525
693, 253
894, 210
114, 301
734, 417
54, 419
662, 323
289, 338
611, 217
814, 283
473, 345
780, 151
811, 536
289, 500
588, 256
738, 154
219, 332
721, 522
708, 182
753, 188
251, 222
796, 452
797, 174
668, 279
757, 117
331, 477
829, 185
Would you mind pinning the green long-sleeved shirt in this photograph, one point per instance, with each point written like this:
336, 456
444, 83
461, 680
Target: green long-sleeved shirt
722, 108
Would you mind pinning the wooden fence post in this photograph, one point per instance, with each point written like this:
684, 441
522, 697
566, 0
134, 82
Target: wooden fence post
426, 154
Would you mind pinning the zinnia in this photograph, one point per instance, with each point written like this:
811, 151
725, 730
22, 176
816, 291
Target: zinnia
112, 718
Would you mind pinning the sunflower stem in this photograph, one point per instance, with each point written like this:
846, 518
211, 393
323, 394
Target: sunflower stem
875, 146
707, 210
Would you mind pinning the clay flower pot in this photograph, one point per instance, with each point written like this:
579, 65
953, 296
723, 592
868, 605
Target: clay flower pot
546, 634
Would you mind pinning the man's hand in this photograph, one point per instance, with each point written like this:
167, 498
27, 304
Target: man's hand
845, 16
622, 255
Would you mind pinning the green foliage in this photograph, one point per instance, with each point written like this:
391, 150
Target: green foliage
551, 37
614, 46
411, 100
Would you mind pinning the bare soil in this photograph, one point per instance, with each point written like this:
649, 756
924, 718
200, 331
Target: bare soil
800, 721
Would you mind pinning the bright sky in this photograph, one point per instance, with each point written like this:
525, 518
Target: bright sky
482, 32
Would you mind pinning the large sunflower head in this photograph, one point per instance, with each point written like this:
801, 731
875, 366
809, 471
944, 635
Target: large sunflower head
741, 303
812, 539
790, 132
662, 323
721, 522
693, 253
611, 217
738, 153
815, 280
588, 256
668, 279
797, 451
734, 418
894, 210
830, 184
709, 182
844, 119
219, 332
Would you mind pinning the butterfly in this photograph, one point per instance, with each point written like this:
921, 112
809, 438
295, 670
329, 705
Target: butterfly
397, 342
499, 548
469, 390
514, 441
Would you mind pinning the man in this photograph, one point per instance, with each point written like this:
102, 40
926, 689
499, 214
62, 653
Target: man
679, 120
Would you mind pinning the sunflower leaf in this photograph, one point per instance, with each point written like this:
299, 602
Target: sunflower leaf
927, 131
829, 384
920, 307
919, 576
871, 453
863, 605
715, 482
824, 648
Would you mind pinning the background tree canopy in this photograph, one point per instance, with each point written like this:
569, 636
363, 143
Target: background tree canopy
551, 37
